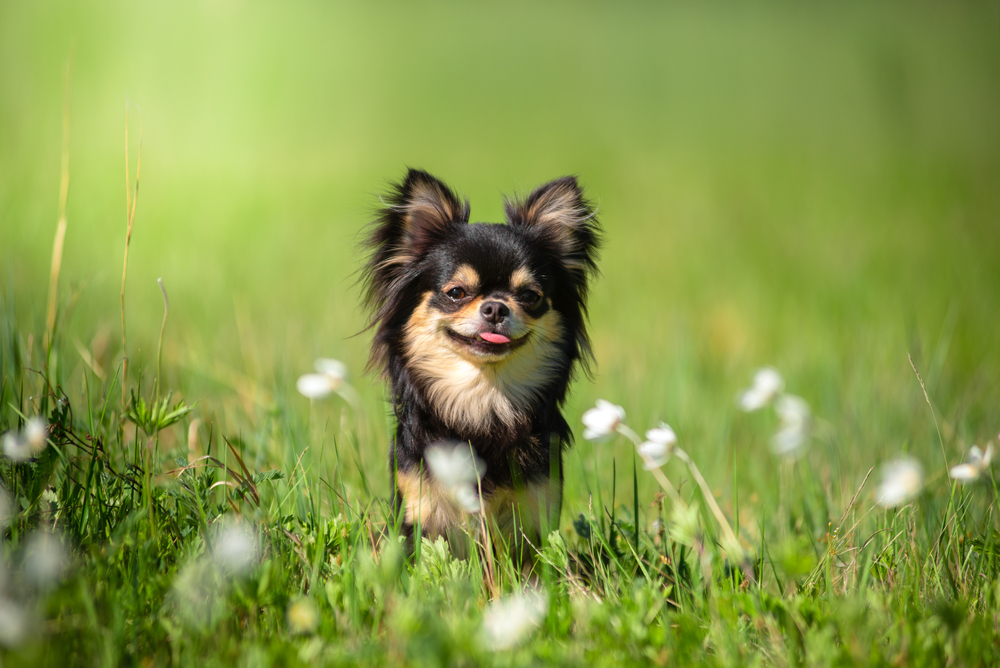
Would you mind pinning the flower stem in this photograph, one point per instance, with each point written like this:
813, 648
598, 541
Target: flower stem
665, 483
709, 497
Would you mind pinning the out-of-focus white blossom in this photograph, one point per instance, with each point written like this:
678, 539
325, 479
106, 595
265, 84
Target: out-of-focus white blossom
36, 430
335, 369
965, 472
314, 386
602, 421
330, 377
452, 464
793, 432
234, 547
767, 384
658, 446
979, 462
12, 446
902, 479
14, 623
45, 559
467, 496
22, 446
195, 594
511, 619
458, 470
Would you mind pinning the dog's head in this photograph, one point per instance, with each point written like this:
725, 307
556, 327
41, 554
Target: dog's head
467, 305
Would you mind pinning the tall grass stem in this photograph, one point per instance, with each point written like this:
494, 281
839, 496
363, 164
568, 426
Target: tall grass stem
57, 246
130, 199
159, 345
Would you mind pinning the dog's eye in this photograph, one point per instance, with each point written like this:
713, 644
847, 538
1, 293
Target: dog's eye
530, 298
456, 293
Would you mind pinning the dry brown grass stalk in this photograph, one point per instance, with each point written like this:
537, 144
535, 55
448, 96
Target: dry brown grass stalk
57, 245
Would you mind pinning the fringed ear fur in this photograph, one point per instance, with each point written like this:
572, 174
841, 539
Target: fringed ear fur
418, 212
563, 219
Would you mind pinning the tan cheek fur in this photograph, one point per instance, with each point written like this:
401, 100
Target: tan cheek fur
467, 391
426, 502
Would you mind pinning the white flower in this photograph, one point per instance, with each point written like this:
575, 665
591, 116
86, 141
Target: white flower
14, 623
509, 620
330, 367
793, 433
458, 470
35, 432
467, 497
234, 547
455, 464
792, 409
979, 462
658, 447
20, 447
964, 473
314, 386
12, 446
45, 559
602, 421
767, 383
331, 376
902, 479
195, 593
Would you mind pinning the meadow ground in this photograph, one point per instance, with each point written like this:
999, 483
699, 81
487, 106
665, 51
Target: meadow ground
812, 188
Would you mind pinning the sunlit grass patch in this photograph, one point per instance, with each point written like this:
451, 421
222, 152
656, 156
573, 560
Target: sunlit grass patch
149, 525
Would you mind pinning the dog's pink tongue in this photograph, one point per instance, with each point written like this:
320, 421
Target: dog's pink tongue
494, 338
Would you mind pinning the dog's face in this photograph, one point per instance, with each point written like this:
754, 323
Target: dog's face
487, 317
485, 297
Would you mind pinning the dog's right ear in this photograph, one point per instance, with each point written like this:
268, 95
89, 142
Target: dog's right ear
417, 214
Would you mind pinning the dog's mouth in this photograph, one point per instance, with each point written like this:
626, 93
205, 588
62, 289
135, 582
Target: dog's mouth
490, 343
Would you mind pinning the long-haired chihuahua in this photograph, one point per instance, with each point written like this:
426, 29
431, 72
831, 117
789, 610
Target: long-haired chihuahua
478, 329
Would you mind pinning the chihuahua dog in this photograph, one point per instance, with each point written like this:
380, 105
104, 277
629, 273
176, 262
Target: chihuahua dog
478, 329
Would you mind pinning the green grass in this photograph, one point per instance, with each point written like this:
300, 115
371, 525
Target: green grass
812, 188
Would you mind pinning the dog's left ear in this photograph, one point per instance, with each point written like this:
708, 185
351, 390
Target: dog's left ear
561, 218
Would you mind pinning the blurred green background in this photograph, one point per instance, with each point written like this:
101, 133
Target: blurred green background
813, 186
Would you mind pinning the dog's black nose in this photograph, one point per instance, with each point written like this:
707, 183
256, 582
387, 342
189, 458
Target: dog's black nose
494, 311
